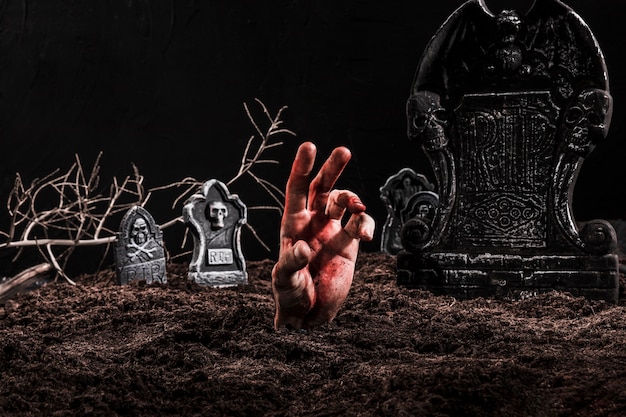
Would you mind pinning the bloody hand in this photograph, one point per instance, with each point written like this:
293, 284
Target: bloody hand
315, 267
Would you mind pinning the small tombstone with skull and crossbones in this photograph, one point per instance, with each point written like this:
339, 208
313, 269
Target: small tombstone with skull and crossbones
215, 217
139, 254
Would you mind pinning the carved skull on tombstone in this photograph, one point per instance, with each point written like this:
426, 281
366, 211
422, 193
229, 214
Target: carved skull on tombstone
423, 211
215, 217
428, 119
217, 213
586, 120
139, 231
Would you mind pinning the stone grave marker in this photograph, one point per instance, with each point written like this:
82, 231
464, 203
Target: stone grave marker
404, 194
215, 218
507, 106
139, 253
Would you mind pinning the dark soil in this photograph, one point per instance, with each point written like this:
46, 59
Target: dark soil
99, 349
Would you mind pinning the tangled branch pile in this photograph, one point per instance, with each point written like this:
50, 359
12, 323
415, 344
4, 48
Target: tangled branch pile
65, 210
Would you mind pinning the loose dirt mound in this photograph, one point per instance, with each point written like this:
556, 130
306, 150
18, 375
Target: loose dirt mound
99, 349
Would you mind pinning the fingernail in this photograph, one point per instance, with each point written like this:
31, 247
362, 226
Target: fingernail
357, 202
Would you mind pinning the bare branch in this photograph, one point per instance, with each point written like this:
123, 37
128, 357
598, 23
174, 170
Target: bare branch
56, 265
257, 237
171, 222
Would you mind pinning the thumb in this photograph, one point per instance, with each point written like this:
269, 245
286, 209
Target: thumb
290, 261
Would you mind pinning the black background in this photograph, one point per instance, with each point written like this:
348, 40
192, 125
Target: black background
161, 84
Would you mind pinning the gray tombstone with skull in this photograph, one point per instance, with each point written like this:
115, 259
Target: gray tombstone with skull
139, 253
406, 195
507, 107
215, 218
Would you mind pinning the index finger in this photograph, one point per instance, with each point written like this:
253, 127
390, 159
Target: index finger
298, 183
327, 176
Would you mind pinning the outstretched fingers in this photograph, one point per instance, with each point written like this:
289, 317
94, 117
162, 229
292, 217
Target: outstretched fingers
327, 177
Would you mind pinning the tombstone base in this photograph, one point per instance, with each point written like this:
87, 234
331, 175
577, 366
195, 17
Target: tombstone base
219, 278
150, 271
466, 276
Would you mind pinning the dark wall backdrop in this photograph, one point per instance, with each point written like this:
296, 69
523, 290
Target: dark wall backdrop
161, 83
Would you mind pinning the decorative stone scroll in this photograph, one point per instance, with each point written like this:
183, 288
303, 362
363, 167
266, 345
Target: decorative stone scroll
215, 218
507, 107
139, 253
406, 195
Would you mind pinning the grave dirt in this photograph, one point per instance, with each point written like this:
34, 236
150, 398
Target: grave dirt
181, 349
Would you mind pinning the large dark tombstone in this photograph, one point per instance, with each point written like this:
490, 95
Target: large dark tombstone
215, 218
507, 107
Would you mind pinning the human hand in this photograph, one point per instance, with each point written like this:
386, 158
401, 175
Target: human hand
315, 266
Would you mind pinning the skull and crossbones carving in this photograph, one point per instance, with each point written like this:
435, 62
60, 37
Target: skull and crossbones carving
217, 212
427, 120
140, 240
587, 120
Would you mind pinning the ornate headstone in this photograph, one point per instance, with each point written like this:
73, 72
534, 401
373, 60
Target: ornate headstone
215, 218
139, 253
406, 195
507, 107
